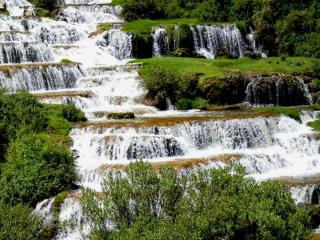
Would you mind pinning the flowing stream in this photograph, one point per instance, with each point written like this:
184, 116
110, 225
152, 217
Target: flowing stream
101, 81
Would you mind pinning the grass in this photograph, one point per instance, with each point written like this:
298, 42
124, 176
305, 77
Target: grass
144, 27
289, 112
315, 125
223, 67
118, 2
60, 118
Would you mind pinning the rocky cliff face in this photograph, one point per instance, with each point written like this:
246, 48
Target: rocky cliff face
258, 89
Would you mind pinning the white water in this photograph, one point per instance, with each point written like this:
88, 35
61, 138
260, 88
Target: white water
17, 7
208, 40
102, 84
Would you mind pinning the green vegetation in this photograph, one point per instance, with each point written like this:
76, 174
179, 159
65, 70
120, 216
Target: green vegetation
102, 27
219, 81
282, 27
215, 204
41, 12
17, 223
65, 61
36, 161
223, 67
48, 5
118, 2
289, 112
40, 162
144, 26
124, 115
197, 103
315, 125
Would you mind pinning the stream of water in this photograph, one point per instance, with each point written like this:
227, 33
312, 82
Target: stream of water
100, 81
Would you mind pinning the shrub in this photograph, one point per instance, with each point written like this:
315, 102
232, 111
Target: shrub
38, 166
184, 104
46, 4
163, 82
65, 61
216, 204
19, 113
18, 223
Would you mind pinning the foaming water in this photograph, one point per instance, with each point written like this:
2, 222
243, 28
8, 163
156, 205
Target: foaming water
100, 82
208, 40
18, 7
91, 14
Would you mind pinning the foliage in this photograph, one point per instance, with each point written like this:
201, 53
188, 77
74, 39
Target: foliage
41, 12
65, 61
289, 112
163, 83
60, 117
102, 27
123, 115
45, 4
17, 223
315, 125
215, 204
290, 27
225, 67
40, 162
197, 103
19, 113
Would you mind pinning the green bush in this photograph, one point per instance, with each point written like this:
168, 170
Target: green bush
163, 82
197, 103
65, 61
19, 113
18, 223
215, 204
45, 4
315, 69
38, 166
184, 104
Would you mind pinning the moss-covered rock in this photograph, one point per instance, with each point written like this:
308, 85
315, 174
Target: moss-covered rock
124, 115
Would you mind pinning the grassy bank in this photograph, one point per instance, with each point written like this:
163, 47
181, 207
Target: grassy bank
144, 26
225, 67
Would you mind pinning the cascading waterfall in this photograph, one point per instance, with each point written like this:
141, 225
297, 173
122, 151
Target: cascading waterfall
10, 36
268, 147
208, 40
277, 90
41, 77
19, 52
118, 43
18, 7
91, 14
160, 42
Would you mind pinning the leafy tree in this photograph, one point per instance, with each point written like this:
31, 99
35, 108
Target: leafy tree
19, 113
18, 223
38, 166
143, 203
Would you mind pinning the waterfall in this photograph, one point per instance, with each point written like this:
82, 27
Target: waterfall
208, 40
18, 52
10, 36
308, 194
277, 90
18, 7
91, 14
160, 42
41, 77
52, 33
118, 43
